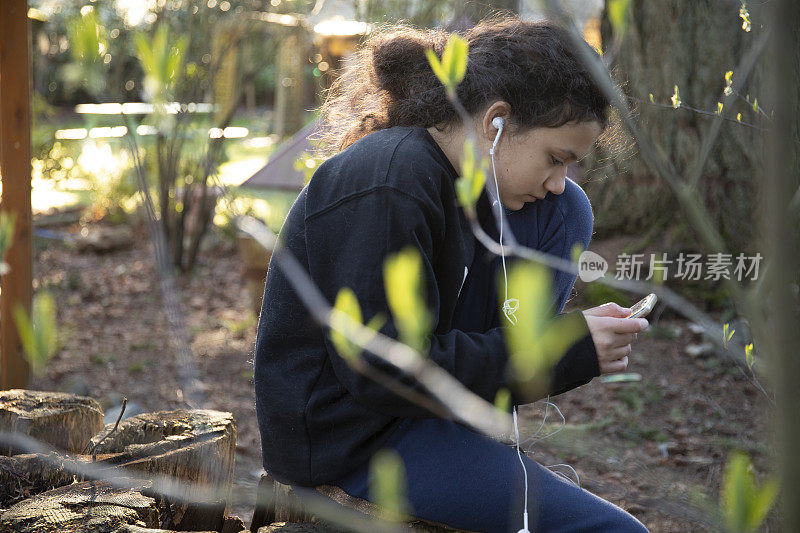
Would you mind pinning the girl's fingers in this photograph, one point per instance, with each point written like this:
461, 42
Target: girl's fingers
611, 343
609, 309
625, 325
616, 366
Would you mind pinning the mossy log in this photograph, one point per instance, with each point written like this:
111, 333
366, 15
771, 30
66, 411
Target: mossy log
65, 421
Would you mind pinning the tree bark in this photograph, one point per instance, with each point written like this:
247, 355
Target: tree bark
690, 44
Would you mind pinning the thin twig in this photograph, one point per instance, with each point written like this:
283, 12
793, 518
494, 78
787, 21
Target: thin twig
121, 412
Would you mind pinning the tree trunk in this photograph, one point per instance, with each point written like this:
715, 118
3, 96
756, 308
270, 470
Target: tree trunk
690, 44
476, 11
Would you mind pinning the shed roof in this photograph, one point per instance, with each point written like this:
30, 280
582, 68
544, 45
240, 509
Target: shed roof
279, 172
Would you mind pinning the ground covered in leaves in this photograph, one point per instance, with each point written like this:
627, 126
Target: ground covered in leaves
657, 447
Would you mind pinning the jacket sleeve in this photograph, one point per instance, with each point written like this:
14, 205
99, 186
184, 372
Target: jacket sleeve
347, 246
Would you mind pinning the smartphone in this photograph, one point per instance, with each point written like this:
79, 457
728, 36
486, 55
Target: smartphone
643, 307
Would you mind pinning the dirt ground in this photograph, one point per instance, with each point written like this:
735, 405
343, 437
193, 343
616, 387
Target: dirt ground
656, 447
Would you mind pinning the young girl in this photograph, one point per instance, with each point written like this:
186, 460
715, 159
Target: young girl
392, 186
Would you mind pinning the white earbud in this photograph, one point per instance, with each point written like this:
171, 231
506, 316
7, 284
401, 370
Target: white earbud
498, 123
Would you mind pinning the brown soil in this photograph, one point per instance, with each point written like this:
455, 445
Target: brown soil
656, 447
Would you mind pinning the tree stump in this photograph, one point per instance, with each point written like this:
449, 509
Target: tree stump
276, 502
196, 445
63, 420
89, 506
290, 527
25, 475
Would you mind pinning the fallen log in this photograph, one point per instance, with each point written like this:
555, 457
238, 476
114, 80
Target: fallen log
63, 420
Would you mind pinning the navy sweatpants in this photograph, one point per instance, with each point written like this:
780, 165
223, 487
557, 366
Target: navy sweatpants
466, 480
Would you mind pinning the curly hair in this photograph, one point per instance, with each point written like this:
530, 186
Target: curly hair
388, 81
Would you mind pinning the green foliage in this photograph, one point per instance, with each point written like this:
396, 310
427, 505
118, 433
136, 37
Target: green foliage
38, 333
537, 341
161, 61
403, 278
347, 304
597, 294
676, 98
744, 504
745, 16
307, 163
502, 400
728, 83
451, 69
576, 251
727, 334
473, 178
88, 48
388, 486
618, 14
748, 353
6, 238
237, 328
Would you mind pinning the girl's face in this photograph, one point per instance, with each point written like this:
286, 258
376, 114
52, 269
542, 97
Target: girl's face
533, 163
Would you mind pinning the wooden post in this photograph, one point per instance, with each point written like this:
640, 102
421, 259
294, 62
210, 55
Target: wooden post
15, 166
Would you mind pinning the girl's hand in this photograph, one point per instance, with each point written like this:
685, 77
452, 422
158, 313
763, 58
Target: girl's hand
613, 334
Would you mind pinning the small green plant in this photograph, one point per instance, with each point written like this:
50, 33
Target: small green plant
744, 504
387, 485
502, 399
347, 304
403, 278
237, 328
453, 66
138, 366
308, 163
38, 333
537, 341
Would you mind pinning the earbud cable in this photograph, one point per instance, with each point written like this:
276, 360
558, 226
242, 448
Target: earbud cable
510, 305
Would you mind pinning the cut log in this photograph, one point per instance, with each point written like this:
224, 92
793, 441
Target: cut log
294, 527
129, 528
286, 515
89, 506
102, 239
196, 445
63, 420
26, 475
276, 502
233, 524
